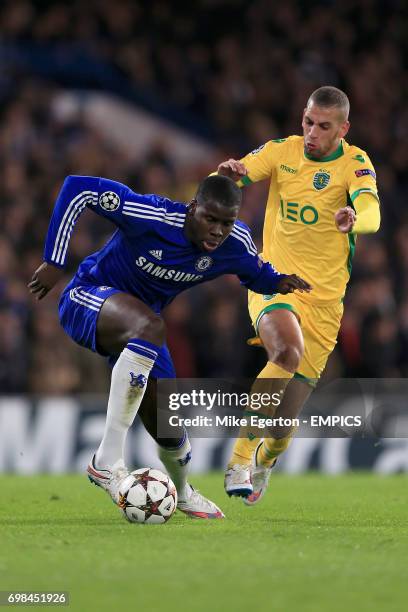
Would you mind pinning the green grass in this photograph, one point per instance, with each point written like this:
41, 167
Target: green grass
315, 543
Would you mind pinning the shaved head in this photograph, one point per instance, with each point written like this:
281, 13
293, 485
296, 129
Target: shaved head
331, 97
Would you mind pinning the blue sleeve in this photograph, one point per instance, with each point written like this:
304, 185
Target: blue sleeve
255, 274
106, 198
259, 276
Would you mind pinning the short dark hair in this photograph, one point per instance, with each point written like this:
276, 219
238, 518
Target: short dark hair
220, 188
329, 96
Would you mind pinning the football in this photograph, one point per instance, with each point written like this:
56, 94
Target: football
147, 496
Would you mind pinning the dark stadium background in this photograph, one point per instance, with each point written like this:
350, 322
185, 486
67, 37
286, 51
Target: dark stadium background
233, 74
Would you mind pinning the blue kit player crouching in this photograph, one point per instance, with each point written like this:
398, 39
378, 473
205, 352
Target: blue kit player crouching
113, 304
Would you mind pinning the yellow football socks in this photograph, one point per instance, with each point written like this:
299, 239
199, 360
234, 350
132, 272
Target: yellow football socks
271, 370
249, 438
271, 449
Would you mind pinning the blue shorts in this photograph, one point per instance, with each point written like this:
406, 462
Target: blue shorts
79, 309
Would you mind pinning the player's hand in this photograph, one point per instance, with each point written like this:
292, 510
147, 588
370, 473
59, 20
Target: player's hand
233, 169
292, 283
44, 279
345, 219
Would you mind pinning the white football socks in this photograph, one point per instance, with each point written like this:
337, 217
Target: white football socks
128, 385
176, 462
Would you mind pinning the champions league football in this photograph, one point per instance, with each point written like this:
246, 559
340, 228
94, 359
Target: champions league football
147, 496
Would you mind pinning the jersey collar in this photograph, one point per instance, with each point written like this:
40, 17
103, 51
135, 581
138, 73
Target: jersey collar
335, 155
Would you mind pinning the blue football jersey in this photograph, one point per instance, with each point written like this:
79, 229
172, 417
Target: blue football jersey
149, 255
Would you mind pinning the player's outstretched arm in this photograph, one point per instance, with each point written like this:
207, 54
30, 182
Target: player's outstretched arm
44, 279
257, 275
232, 168
257, 165
261, 277
364, 219
76, 193
291, 283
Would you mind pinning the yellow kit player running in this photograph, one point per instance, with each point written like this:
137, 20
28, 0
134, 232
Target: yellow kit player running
322, 194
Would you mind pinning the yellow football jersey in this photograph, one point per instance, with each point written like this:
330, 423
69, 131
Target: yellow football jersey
300, 235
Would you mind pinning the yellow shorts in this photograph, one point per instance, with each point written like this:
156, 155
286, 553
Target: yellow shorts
320, 326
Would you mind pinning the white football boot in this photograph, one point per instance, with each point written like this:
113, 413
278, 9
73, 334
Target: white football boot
260, 476
109, 478
196, 505
237, 481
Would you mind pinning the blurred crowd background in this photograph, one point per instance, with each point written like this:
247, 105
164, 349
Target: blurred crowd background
237, 73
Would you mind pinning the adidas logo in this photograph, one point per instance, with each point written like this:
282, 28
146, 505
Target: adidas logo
156, 254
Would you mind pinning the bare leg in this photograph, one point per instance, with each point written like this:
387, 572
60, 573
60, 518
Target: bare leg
282, 338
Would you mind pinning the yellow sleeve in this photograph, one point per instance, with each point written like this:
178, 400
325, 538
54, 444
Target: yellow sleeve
367, 208
360, 176
261, 162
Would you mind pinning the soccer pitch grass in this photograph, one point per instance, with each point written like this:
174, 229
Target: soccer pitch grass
314, 543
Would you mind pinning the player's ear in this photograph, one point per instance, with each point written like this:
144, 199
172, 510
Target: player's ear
192, 205
344, 129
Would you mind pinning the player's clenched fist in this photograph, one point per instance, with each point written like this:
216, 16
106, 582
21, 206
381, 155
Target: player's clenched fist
291, 283
233, 169
44, 279
345, 219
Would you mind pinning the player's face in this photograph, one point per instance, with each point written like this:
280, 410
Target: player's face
322, 129
210, 223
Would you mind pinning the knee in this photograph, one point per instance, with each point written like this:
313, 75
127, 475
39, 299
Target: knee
149, 327
287, 357
282, 338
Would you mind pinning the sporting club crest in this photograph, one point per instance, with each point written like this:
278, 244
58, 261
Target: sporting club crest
203, 263
321, 180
